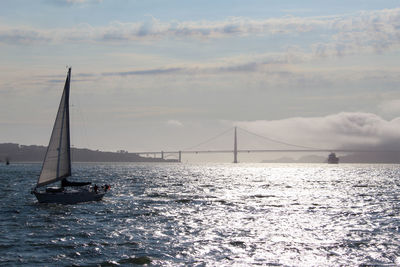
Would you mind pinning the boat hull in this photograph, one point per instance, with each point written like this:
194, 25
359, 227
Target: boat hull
68, 197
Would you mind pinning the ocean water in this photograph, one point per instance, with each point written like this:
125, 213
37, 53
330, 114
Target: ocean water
207, 215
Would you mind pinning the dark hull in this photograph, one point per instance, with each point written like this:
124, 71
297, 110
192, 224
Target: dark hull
333, 161
68, 197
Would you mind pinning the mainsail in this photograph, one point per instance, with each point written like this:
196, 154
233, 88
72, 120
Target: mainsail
57, 162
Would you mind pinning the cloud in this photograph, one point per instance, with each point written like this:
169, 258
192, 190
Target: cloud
269, 72
75, 1
23, 36
155, 71
338, 131
373, 30
153, 28
72, 2
174, 123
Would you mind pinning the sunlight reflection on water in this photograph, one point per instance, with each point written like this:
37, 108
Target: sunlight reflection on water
212, 214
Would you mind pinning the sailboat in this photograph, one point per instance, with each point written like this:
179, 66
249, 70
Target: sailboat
57, 164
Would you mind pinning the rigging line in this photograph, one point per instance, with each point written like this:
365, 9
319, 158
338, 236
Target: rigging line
209, 140
277, 141
80, 122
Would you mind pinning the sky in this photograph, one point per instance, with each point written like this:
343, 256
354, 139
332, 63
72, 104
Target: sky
169, 75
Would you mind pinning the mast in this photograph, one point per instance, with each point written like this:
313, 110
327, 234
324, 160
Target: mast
67, 121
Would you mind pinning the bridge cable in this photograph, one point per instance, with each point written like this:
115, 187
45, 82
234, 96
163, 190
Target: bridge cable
209, 140
277, 141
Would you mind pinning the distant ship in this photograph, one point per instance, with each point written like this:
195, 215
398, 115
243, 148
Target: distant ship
332, 159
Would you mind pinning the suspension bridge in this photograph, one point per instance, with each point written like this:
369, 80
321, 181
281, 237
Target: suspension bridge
235, 151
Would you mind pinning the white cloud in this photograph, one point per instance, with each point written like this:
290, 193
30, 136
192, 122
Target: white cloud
73, 2
174, 123
340, 131
374, 30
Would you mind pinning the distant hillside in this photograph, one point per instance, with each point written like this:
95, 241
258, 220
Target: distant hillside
22, 153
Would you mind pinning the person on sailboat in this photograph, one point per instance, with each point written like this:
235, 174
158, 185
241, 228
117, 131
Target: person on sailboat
95, 188
106, 187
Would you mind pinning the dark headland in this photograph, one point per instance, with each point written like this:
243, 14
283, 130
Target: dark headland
34, 153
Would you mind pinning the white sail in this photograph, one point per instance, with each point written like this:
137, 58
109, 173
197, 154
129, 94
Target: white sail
57, 162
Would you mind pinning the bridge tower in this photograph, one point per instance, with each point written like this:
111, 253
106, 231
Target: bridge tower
235, 152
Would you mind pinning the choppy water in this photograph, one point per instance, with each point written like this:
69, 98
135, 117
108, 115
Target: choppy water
207, 215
